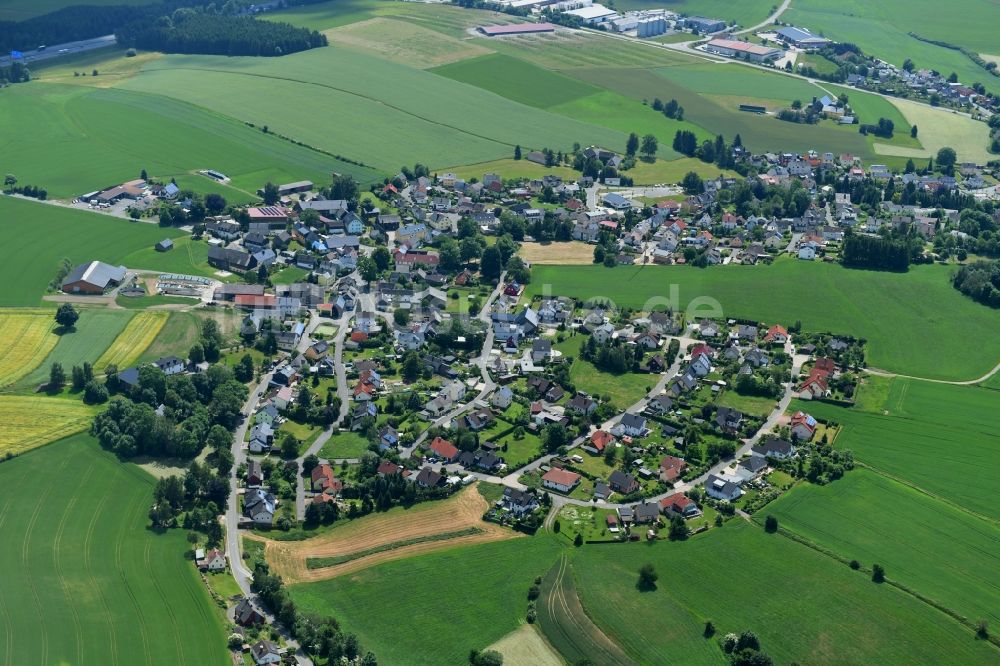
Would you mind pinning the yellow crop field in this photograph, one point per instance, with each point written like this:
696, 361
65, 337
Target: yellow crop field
26, 338
132, 342
30, 421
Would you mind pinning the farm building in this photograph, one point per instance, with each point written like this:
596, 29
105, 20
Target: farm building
515, 29
802, 38
745, 50
295, 188
229, 259
93, 278
164, 245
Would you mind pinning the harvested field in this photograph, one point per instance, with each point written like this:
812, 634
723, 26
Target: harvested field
525, 646
26, 337
133, 341
573, 253
404, 42
378, 532
24, 430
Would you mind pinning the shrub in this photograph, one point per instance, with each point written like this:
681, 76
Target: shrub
855, 565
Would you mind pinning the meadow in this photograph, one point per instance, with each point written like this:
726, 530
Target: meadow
19, 10
37, 237
75, 139
404, 42
441, 119
140, 332
439, 605
968, 137
939, 438
867, 517
741, 578
919, 313
27, 337
93, 584
189, 257
94, 333
24, 429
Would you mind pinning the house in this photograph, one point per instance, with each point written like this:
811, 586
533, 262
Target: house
255, 475
751, 467
616, 201
776, 335
261, 438
388, 468
475, 420
214, 560
259, 505
671, 468
362, 411
581, 404
599, 440
728, 419
632, 425
560, 480
518, 502
723, 489
502, 398
646, 513
443, 449
265, 652
622, 482
772, 447
803, 426
323, 480
807, 252
541, 351
388, 438
246, 615
170, 365
93, 278
428, 478
661, 404
814, 386
681, 505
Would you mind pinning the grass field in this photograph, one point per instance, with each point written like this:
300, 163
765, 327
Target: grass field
404, 42
919, 312
437, 606
27, 338
93, 585
571, 253
19, 10
444, 120
176, 337
95, 331
749, 404
344, 445
128, 347
31, 421
189, 257
968, 137
104, 137
953, 426
821, 612
525, 646
748, 13
940, 551
511, 169
623, 390
156, 300
395, 534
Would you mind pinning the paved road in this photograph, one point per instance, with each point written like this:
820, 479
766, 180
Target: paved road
61, 50
769, 20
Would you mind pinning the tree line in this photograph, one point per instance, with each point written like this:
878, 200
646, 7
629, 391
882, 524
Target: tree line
861, 251
980, 281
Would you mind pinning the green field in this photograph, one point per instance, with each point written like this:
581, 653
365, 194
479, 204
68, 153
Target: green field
38, 236
19, 10
746, 13
937, 437
189, 257
344, 445
96, 329
939, 551
437, 606
105, 136
443, 120
907, 318
85, 581
176, 337
805, 607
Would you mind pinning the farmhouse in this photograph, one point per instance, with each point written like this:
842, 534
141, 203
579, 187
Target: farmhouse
745, 50
230, 259
93, 278
214, 560
246, 615
560, 480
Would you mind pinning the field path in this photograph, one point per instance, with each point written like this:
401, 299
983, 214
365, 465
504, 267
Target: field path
768, 21
967, 382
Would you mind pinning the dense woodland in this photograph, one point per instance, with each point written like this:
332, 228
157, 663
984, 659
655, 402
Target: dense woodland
981, 281
876, 252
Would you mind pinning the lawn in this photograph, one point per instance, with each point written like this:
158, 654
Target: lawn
511, 169
138, 334
938, 437
189, 257
27, 338
37, 237
749, 404
93, 584
935, 549
919, 312
344, 445
143, 302
439, 605
622, 390
105, 136
289, 275
722, 576
444, 120
94, 333
25, 427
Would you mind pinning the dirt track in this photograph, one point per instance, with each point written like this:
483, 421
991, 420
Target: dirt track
462, 511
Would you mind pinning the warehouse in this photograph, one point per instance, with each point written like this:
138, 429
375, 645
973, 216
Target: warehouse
703, 25
802, 38
93, 278
593, 14
743, 50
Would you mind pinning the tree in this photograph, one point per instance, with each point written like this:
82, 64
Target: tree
382, 258
491, 264
412, 367
309, 463
215, 203
578, 540
678, 528
66, 316
244, 369
517, 152
632, 145
10, 180
95, 392
289, 446
57, 376
913, 132
878, 573
197, 353
270, 193
649, 146
485, 658
692, 183
946, 160
770, 524
368, 270
647, 578
401, 316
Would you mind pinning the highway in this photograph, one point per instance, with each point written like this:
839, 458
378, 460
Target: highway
61, 50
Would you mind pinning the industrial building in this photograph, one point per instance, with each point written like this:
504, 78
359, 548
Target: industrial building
802, 38
594, 14
651, 27
703, 25
743, 50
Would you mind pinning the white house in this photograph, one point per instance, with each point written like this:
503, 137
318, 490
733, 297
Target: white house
502, 398
721, 488
807, 252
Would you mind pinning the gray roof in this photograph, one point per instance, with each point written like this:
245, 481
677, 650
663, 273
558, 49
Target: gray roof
96, 273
